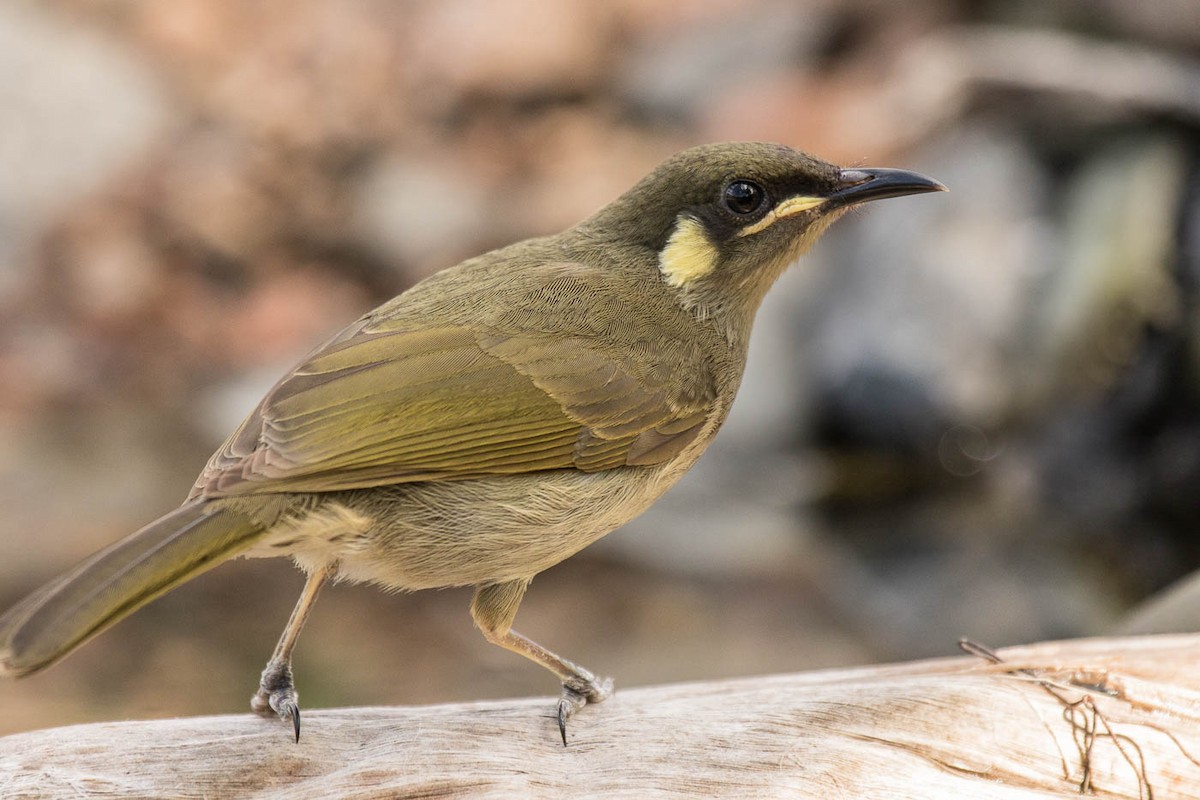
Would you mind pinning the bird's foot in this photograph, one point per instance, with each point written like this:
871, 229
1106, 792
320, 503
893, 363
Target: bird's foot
277, 696
577, 692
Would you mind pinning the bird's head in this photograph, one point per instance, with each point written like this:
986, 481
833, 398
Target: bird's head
726, 219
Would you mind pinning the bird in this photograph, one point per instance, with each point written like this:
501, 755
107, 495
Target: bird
492, 420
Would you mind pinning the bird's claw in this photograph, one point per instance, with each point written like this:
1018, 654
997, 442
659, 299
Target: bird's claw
577, 693
289, 709
276, 696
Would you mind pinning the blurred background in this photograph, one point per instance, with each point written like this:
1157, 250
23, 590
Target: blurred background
965, 414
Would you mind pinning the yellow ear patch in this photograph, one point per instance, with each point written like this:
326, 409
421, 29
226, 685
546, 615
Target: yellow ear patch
688, 254
786, 208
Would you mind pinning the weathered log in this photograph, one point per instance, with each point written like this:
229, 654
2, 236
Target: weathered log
1113, 717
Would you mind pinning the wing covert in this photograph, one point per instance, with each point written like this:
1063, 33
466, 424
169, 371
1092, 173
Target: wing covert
396, 406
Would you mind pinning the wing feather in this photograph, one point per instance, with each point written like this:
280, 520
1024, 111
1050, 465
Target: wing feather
395, 405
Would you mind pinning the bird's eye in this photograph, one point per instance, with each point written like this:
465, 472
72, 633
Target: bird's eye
744, 197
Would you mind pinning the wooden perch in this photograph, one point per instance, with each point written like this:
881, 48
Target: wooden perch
1113, 717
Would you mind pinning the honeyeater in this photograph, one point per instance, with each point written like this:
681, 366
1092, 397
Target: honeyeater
492, 420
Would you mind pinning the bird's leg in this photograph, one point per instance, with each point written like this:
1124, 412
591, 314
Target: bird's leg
276, 693
493, 609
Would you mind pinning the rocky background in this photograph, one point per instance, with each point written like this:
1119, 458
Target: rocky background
966, 414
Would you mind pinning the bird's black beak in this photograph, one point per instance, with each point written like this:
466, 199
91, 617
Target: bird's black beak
877, 183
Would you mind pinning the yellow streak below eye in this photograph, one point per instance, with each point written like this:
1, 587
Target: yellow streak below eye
688, 254
790, 206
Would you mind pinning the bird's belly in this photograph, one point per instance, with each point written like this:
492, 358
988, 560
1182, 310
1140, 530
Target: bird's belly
456, 533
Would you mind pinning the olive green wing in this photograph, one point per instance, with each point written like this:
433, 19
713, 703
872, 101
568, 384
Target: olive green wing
391, 406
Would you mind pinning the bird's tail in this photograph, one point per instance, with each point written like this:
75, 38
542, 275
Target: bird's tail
54, 620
